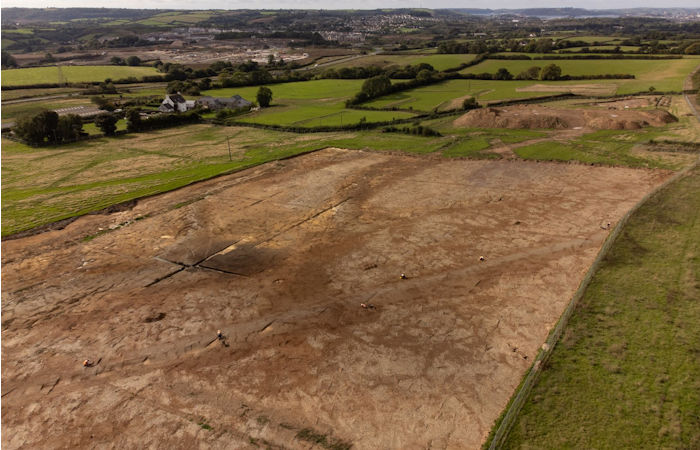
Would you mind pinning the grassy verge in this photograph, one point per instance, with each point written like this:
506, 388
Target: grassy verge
625, 373
609, 147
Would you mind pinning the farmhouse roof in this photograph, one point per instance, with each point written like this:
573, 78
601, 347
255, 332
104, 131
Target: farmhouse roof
176, 98
235, 101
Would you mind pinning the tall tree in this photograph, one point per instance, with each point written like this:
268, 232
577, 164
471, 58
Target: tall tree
107, 123
376, 86
264, 96
8, 60
69, 128
550, 72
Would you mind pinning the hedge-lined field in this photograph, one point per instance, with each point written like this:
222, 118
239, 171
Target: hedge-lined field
71, 74
439, 62
663, 75
309, 104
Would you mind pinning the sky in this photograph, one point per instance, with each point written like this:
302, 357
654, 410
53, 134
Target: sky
344, 4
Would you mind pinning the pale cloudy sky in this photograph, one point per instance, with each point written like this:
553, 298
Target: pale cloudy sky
344, 4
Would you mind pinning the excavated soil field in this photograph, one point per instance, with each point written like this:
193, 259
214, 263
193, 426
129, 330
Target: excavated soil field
536, 117
279, 258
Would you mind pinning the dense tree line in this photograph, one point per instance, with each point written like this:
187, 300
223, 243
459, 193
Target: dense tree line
574, 56
358, 73
130, 61
136, 123
418, 130
107, 123
548, 45
47, 127
8, 61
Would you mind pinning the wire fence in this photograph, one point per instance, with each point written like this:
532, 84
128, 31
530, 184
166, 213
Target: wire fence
521, 395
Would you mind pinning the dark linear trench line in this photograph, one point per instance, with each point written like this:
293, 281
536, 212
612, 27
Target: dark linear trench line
200, 263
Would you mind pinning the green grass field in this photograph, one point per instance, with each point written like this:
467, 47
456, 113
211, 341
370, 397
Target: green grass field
309, 104
625, 374
91, 129
439, 62
18, 31
664, 75
27, 93
172, 18
443, 95
71, 74
592, 39
608, 147
303, 90
12, 111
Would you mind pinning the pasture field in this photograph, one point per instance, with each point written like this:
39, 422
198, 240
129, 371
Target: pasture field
14, 110
15, 94
91, 129
439, 62
18, 31
449, 94
663, 75
625, 373
299, 90
71, 74
310, 103
312, 115
171, 18
591, 39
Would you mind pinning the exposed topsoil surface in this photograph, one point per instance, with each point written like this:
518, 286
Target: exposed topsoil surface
536, 117
280, 258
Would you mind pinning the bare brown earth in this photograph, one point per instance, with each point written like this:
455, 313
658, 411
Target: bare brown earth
279, 258
536, 117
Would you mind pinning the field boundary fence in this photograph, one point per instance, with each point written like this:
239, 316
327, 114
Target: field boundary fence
518, 400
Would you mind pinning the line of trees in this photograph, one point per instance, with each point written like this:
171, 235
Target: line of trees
418, 130
47, 127
136, 123
548, 45
550, 72
358, 73
130, 61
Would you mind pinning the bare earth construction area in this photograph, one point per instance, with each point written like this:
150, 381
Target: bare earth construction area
279, 258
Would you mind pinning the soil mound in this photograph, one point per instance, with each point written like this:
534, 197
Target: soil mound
535, 117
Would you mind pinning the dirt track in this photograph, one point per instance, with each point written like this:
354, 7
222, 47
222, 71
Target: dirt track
279, 258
